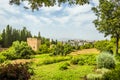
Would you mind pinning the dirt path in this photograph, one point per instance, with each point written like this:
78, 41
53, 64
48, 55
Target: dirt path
85, 51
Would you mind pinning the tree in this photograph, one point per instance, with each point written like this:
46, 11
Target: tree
108, 18
36, 4
10, 35
104, 45
39, 36
0, 39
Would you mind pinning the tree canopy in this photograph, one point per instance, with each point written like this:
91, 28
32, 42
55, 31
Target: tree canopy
36, 4
10, 35
108, 21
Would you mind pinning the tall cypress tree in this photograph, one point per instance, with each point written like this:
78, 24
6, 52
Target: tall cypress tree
3, 38
10, 35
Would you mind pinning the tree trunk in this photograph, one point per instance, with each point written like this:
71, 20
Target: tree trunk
117, 41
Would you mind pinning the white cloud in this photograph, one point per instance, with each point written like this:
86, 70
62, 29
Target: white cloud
61, 20
53, 22
8, 8
95, 2
50, 9
45, 20
31, 18
77, 9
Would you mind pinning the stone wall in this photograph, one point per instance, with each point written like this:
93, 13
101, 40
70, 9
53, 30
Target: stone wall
34, 43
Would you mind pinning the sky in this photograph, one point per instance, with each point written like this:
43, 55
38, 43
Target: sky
65, 22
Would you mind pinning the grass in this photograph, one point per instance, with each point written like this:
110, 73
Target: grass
52, 72
45, 60
41, 56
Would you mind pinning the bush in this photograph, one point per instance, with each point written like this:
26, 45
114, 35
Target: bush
104, 45
98, 75
10, 54
74, 60
2, 58
81, 62
117, 58
26, 53
55, 60
84, 60
43, 49
22, 49
64, 66
61, 49
18, 50
105, 60
14, 72
94, 77
112, 75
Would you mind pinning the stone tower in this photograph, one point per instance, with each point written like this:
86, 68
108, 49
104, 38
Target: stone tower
34, 43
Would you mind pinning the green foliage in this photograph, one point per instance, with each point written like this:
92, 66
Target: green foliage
10, 35
51, 60
94, 77
44, 49
22, 49
117, 58
52, 72
67, 49
108, 18
104, 45
112, 75
14, 72
105, 60
0, 39
45, 41
64, 66
74, 60
87, 46
55, 60
2, 58
98, 74
26, 53
35, 5
84, 60
10, 53
61, 49
18, 50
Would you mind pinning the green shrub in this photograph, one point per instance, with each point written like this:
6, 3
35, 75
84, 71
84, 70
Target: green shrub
55, 60
26, 53
94, 77
18, 51
105, 60
43, 49
10, 54
102, 71
61, 49
81, 62
112, 75
22, 49
64, 66
14, 72
117, 58
49, 61
98, 75
74, 60
104, 45
2, 58
84, 60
